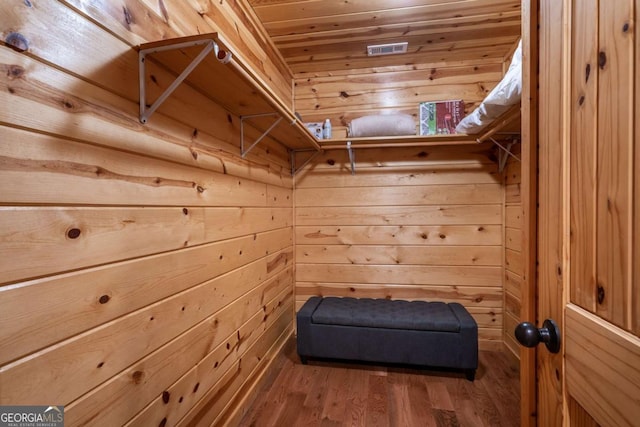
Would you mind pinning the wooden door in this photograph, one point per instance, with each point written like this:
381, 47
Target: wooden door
589, 211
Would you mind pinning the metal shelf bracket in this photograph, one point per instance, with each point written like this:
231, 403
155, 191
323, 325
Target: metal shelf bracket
145, 113
352, 159
504, 154
294, 153
244, 152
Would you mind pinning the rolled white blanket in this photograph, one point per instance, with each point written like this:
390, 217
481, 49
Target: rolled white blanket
506, 93
382, 125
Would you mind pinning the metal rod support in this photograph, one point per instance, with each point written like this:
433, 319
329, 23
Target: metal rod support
244, 152
176, 46
506, 150
351, 158
209, 45
142, 84
251, 116
295, 170
146, 113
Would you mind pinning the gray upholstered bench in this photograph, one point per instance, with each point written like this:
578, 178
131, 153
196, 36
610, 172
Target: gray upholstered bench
433, 334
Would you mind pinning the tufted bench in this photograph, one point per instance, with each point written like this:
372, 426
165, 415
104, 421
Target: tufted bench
434, 334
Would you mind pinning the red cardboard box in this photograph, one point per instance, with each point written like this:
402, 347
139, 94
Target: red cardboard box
440, 118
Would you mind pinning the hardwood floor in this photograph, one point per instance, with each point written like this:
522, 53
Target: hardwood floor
331, 394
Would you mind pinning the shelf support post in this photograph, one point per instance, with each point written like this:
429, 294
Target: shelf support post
145, 112
351, 158
504, 154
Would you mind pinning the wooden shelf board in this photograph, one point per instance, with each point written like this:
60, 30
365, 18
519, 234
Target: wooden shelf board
240, 91
398, 141
233, 86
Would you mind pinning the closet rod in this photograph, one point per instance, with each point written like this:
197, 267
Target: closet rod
396, 144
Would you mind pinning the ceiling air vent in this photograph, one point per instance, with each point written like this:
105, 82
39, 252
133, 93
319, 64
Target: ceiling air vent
387, 49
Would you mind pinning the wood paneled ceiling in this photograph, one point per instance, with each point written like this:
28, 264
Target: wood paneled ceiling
323, 37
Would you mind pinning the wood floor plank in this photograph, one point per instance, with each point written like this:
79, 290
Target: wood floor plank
314, 403
337, 393
483, 405
501, 380
468, 415
334, 408
419, 401
446, 418
289, 416
272, 401
377, 402
354, 414
440, 398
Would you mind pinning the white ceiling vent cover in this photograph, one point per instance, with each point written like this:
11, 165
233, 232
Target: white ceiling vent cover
387, 49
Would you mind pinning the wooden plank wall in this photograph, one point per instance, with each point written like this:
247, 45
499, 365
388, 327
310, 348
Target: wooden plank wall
412, 223
512, 251
346, 95
146, 272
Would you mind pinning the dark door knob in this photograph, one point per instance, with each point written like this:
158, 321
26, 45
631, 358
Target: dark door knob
529, 336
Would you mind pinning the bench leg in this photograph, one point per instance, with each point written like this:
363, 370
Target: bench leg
470, 374
304, 360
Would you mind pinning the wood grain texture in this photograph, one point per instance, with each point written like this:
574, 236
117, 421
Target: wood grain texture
513, 284
601, 354
45, 27
269, 326
456, 50
166, 368
238, 89
471, 235
400, 274
635, 290
402, 176
513, 217
382, 159
453, 194
529, 191
584, 97
512, 193
512, 307
344, 98
141, 20
210, 409
615, 141
359, 81
382, 235
119, 317
120, 343
400, 255
470, 295
111, 178
579, 416
337, 394
322, 36
551, 267
513, 238
67, 304
603, 369
72, 108
64, 239
513, 251
407, 221
158, 264
513, 260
